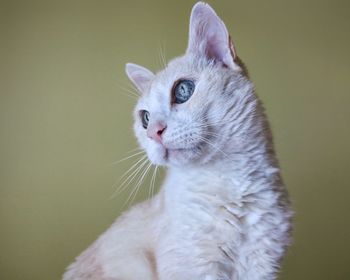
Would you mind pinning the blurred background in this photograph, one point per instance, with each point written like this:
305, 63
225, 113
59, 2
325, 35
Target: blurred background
65, 117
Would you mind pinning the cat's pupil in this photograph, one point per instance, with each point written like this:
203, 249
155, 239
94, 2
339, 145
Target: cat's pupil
144, 118
183, 91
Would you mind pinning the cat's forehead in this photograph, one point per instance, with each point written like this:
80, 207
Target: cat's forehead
178, 68
186, 64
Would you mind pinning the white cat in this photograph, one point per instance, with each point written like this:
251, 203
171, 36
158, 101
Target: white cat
223, 211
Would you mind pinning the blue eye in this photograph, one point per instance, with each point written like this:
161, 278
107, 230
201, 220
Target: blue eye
144, 118
183, 90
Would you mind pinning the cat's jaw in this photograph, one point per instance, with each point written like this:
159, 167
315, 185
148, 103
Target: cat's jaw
161, 154
181, 157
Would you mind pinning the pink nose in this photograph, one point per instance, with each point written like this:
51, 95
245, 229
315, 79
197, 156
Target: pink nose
155, 131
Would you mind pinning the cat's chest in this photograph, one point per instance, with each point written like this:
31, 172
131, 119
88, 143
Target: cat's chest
215, 212
205, 225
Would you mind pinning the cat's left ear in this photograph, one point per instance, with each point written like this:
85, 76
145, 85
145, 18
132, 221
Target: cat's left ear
140, 76
209, 37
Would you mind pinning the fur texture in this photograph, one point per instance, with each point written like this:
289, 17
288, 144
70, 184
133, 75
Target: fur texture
222, 212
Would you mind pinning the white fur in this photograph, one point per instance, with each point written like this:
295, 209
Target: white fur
222, 212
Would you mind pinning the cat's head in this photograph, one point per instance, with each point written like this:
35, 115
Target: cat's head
187, 113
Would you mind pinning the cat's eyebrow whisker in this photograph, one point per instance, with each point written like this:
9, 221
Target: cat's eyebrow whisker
159, 58
128, 89
162, 55
123, 159
132, 93
163, 61
135, 190
128, 95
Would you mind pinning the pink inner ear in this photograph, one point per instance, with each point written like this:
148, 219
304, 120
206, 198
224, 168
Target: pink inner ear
140, 76
215, 47
209, 36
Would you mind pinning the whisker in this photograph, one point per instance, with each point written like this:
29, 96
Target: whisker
137, 168
151, 186
136, 163
130, 87
211, 144
123, 159
136, 149
128, 95
132, 176
128, 90
135, 190
154, 180
162, 55
134, 94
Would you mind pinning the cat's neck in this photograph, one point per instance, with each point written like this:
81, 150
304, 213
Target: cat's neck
236, 175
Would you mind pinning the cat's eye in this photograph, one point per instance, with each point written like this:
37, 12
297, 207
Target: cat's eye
144, 118
182, 91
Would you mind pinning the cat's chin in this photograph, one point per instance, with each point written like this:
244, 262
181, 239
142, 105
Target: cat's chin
181, 157
171, 156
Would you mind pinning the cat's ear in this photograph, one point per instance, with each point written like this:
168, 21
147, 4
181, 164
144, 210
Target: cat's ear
208, 36
140, 76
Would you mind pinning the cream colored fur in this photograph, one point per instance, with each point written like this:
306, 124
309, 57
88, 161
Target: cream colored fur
222, 211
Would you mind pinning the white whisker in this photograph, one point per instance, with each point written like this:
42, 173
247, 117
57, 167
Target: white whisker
151, 187
135, 190
135, 163
132, 176
123, 159
133, 171
134, 94
162, 55
211, 144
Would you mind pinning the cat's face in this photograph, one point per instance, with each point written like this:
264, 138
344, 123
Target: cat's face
181, 117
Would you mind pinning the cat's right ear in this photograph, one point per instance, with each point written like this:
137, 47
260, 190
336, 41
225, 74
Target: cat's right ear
140, 76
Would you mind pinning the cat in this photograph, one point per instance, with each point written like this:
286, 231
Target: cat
223, 211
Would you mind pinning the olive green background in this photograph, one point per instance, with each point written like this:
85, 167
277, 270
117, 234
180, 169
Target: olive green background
65, 116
